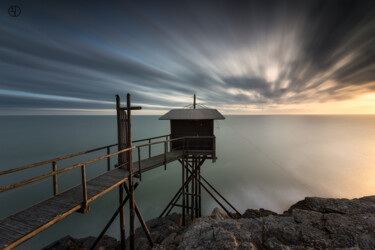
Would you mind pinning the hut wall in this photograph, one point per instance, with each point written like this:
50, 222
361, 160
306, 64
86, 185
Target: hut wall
181, 128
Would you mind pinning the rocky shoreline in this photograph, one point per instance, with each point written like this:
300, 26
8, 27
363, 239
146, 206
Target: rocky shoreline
313, 223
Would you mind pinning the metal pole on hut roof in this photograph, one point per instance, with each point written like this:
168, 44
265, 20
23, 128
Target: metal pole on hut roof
195, 102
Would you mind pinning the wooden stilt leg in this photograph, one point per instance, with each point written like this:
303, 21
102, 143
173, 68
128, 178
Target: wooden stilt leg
183, 192
122, 218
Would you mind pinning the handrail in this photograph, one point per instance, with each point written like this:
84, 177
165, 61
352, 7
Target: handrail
22, 183
72, 155
158, 142
200, 137
55, 172
55, 159
151, 138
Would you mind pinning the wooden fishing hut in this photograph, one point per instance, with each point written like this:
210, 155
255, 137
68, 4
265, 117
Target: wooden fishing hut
196, 126
192, 132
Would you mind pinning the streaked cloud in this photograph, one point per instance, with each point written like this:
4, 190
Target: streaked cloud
239, 56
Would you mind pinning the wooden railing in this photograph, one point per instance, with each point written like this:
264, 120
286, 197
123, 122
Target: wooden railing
82, 165
149, 141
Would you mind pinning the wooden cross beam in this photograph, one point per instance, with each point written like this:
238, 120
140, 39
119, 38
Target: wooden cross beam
132, 108
126, 108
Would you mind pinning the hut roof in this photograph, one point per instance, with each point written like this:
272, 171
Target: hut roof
192, 114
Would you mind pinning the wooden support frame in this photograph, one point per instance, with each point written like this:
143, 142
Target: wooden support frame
140, 218
175, 198
192, 179
109, 223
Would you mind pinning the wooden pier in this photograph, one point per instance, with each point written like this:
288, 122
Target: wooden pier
191, 148
25, 224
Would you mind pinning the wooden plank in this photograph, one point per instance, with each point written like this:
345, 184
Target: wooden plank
58, 204
8, 234
72, 196
12, 244
12, 225
93, 190
3, 242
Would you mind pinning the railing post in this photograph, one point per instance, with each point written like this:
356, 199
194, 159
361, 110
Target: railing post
165, 155
139, 164
85, 207
214, 149
54, 168
149, 148
183, 146
108, 159
166, 138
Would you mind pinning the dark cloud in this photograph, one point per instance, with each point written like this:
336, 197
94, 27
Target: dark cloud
229, 52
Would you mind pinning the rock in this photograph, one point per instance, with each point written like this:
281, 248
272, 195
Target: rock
219, 214
313, 223
341, 206
162, 231
209, 233
255, 213
70, 243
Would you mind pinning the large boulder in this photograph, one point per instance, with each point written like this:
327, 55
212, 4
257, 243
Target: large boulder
340, 206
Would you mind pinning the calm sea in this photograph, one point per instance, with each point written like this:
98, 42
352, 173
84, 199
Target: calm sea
263, 161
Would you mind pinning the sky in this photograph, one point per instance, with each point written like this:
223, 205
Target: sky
241, 57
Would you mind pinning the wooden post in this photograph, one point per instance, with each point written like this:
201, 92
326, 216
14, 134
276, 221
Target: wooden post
108, 159
130, 168
85, 207
199, 192
196, 189
192, 190
121, 139
139, 164
54, 168
214, 149
149, 149
165, 155
122, 217
187, 186
183, 191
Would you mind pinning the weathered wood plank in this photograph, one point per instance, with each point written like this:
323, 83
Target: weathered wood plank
93, 190
15, 226
8, 234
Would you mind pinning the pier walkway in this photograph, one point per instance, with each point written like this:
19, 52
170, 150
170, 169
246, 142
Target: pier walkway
25, 224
